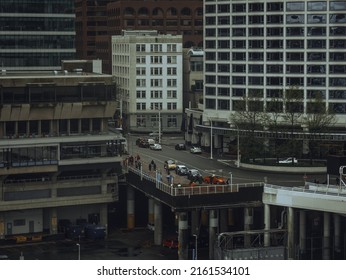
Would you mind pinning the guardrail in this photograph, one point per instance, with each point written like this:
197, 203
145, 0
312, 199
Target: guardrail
180, 190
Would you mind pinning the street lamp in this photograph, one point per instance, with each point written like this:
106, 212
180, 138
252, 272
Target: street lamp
231, 178
211, 137
159, 126
78, 250
196, 238
238, 148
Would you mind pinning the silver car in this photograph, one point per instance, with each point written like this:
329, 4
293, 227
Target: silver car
195, 150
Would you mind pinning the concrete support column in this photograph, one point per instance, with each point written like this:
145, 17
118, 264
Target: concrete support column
248, 221
39, 127
182, 237
337, 246
15, 129
157, 222
130, 208
57, 128
2, 226
290, 233
79, 126
51, 127
104, 216
68, 127
223, 214
151, 211
213, 225
267, 225
302, 231
195, 222
326, 236
90, 125
28, 128
53, 221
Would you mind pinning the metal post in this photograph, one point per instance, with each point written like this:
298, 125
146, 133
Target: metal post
238, 150
78, 250
211, 138
231, 178
159, 126
196, 238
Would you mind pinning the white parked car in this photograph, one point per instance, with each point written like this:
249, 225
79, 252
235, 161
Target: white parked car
195, 150
156, 147
151, 226
288, 160
155, 133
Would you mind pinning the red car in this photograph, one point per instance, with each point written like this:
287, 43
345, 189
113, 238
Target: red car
215, 180
170, 243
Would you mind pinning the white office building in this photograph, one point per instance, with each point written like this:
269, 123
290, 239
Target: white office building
148, 68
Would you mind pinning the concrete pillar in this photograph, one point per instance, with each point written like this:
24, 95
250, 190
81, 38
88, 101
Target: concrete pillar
302, 231
151, 211
183, 236
158, 223
79, 126
213, 226
39, 127
223, 214
204, 217
104, 216
68, 127
53, 221
326, 236
2, 226
195, 222
15, 129
290, 233
90, 125
130, 208
28, 128
337, 246
51, 127
248, 221
267, 225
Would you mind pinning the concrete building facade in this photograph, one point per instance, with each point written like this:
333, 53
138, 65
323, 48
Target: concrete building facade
148, 72
58, 160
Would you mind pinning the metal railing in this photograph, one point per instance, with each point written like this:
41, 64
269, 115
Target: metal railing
180, 190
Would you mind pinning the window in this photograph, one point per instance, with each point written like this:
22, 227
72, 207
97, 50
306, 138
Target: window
316, 31
275, 31
255, 44
172, 121
238, 68
223, 44
223, 91
295, 31
171, 59
223, 68
223, 20
239, 44
239, 32
140, 82
140, 71
337, 31
317, 44
337, 6
238, 56
223, 32
19, 222
319, 69
210, 103
291, 56
238, 20
338, 69
171, 47
295, 44
140, 59
337, 18
238, 8
256, 81
317, 6
297, 69
275, 19
238, 80
155, 71
276, 6
256, 31
274, 81
256, 19
140, 47
256, 68
256, 56
156, 82
223, 80
239, 92
295, 6
337, 56
315, 81
171, 82
156, 106
294, 81
171, 106
274, 44
294, 19
141, 106
141, 121
171, 71
274, 68
274, 56
196, 66
171, 94
316, 56
256, 7
316, 19
140, 94
156, 94
156, 59
223, 104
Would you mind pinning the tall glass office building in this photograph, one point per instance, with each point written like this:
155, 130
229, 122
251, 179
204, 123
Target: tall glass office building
268, 46
36, 34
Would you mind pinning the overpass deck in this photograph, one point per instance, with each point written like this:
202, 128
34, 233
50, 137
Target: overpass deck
199, 196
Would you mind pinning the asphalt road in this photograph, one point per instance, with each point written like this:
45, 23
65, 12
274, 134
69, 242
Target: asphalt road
217, 165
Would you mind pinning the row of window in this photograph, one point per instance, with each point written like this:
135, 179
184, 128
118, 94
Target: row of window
156, 47
275, 19
36, 41
277, 69
156, 82
273, 81
142, 106
275, 6
171, 94
274, 44
163, 22
157, 59
157, 11
157, 71
152, 121
35, 59
37, 6
277, 31
275, 56
276, 93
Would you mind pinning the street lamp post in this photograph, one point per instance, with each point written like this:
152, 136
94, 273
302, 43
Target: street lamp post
159, 126
78, 250
196, 238
211, 138
231, 178
238, 147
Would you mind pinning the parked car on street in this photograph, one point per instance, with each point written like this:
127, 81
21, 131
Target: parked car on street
196, 150
170, 243
180, 146
170, 164
151, 226
155, 133
215, 180
288, 160
156, 147
181, 170
194, 175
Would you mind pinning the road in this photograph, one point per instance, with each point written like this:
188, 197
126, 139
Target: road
216, 165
